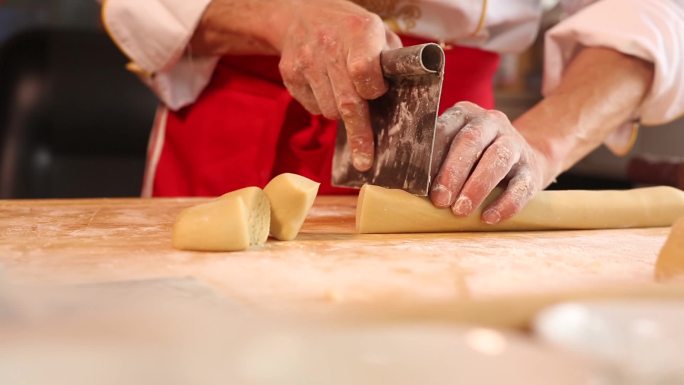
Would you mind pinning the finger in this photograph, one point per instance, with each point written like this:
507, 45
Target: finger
305, 96
448, 124
465, 150
454, 118
323, 93
363, 61
519, 191
496, 162
297, 85
366, 74
392, 40
354, 112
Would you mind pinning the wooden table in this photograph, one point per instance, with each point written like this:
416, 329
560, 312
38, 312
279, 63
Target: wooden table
103, 240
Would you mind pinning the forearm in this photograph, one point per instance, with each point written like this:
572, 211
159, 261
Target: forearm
599, 91
239, 27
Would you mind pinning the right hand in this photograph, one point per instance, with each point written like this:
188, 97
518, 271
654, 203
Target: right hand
330, 62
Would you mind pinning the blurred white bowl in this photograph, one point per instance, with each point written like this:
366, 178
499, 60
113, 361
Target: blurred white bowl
633, 341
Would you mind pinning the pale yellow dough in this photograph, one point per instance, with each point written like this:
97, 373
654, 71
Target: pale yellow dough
291, 197
670, 263
381, 210
234, 221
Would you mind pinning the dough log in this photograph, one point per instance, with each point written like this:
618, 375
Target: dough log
234, 221
670, 263
381, 210
291, 197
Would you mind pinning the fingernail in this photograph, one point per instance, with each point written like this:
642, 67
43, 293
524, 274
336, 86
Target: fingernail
441, 196
491, 217
362, 162
463, 206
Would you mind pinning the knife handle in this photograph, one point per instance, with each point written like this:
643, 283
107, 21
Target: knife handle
420, 59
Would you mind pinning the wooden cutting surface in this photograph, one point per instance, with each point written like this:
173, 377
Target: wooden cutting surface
103, 240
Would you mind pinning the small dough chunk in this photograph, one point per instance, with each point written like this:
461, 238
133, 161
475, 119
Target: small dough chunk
670, 263
381, 210
234, 221
291, 198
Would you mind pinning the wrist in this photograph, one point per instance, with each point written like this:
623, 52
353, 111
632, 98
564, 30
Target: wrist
274, 21
242, 27
550, 151
550, 167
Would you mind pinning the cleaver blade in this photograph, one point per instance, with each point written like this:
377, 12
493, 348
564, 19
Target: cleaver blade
403, 121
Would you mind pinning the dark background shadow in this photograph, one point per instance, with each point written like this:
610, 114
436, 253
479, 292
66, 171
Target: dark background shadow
73, 121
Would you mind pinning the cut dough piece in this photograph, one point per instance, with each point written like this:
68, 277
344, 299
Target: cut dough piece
670, 263
381, 210
291, 198
234, 221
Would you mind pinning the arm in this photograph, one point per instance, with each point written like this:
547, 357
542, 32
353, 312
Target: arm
330, 51
236, 27
600, 90
613, 62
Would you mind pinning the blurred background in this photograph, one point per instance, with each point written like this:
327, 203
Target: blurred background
74, 122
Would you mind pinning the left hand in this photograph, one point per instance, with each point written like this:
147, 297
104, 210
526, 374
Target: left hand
482, 150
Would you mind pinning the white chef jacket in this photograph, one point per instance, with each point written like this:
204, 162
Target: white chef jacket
154, 34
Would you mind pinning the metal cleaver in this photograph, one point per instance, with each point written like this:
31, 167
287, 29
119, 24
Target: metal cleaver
403, 122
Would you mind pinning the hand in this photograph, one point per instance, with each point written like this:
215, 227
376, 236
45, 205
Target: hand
485, 149
330, 62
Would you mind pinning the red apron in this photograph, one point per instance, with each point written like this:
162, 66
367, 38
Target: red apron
245, 128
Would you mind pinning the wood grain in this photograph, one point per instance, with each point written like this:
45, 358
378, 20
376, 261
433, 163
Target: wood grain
102, 240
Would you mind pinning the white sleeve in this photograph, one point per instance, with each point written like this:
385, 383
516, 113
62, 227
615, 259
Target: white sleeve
652, 30
154, 34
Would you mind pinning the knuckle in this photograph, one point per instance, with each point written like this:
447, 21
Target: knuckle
376, 21
285, 68
453, 173
366, 20
496, 115
502, 154
454, 112
451, 121
470, 109
466, 105
441, 128
303, 64
359, 20
329, 111
470, 134
527, 158
326, 39
361, 68
291, 72
359, 139
349, 106
522, 190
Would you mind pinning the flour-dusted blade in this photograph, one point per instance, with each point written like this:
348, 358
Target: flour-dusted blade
403, 122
